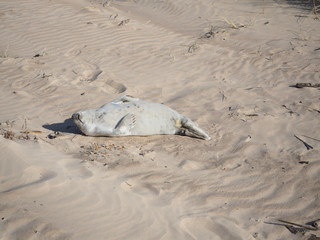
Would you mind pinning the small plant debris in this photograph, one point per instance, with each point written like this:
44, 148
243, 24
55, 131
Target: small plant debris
304, 162
6, 129
107, 3
209, 34
8, 132
233, 25
308, 146
124, 22
193, 47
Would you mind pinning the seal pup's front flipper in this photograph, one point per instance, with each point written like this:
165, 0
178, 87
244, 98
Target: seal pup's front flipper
125, 124
125, 98
192, 129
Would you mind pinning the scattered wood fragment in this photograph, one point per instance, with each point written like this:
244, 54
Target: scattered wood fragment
302, 85
314, 110
233, 25
209, 34
123, 22
107, 3
128, 184
299, 225
311, 139
290, 111
192, 48
46, 75
27, 131
286, 107
304, 162
308, 146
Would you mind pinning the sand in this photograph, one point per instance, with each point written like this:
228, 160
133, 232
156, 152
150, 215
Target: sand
230, 66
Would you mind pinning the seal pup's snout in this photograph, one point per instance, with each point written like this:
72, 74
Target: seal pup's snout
76, 117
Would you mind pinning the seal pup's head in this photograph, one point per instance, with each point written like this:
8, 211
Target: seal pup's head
84, 120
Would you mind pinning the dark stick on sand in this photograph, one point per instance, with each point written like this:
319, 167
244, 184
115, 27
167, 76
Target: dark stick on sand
299, 225
302, 85
305, 144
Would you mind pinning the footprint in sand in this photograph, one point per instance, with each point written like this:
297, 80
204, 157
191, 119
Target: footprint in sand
117, 87
87, 73
73, 52
91, 73
30, 65
91, 76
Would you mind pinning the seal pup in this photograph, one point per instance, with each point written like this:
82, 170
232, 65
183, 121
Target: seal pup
128, 116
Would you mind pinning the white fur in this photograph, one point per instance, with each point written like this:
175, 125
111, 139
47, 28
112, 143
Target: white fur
131, 116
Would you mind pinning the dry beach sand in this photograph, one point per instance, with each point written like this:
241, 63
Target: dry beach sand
228, 65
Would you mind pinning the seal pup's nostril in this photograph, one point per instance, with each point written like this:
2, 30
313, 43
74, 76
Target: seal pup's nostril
76, 116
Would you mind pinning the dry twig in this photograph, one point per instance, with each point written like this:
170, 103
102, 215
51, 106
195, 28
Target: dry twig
302, 85
308, 146
123, 22
299, 225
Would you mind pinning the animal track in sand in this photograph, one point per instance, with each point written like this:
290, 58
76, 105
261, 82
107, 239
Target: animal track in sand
31, 65
73, 52
88, 72
90, 75
118, 87
28, 76
41, 85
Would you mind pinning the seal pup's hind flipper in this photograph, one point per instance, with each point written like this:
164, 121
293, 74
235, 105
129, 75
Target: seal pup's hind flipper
125, 124
192, 129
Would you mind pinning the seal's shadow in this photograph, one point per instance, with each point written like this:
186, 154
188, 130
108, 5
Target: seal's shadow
68, 126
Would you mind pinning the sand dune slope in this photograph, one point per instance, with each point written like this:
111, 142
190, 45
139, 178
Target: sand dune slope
231, 66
